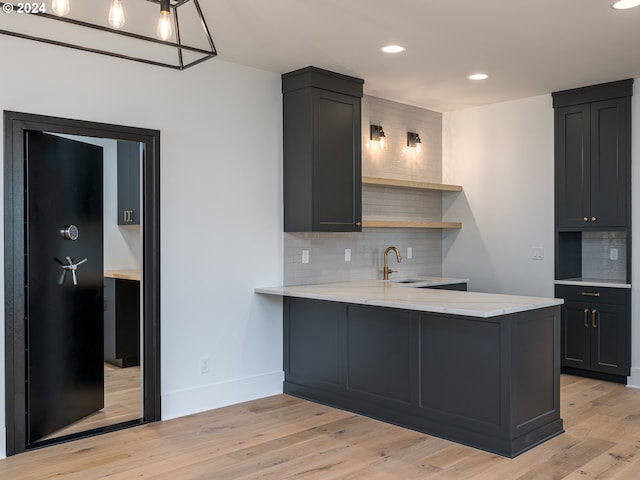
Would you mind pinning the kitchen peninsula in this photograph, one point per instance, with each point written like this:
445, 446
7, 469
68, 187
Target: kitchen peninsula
476, 368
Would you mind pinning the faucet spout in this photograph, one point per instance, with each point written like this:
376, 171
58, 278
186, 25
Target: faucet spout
386, 270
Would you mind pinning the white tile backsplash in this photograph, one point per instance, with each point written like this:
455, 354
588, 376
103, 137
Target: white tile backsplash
596, 255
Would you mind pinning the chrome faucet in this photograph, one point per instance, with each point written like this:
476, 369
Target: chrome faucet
386, 270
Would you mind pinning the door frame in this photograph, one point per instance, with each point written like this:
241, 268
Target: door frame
15, 126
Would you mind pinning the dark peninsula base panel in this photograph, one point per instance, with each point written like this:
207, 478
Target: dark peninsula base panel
489, 383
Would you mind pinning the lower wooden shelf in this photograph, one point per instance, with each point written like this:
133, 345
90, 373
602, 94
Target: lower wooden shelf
409, 224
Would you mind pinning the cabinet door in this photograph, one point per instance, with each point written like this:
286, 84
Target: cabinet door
337, 178
608, 339
128, 183
576, 330
608, 177
573, 159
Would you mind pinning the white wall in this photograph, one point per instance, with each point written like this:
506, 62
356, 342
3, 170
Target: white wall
221, 202
502, 155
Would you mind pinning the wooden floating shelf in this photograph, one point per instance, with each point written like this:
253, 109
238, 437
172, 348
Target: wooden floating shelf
390, 182
409, 224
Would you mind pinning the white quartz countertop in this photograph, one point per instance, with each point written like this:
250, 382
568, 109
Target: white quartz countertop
593, 282
406, 296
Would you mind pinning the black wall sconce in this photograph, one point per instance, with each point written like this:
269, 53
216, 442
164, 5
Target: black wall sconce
376, 133
413, 139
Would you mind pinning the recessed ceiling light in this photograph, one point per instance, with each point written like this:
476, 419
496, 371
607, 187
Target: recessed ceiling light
624, 4
393, 49
478, 76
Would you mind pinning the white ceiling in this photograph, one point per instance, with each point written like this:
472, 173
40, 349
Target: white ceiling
527, 47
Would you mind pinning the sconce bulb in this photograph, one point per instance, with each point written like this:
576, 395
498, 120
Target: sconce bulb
164, 26
381, 141
116, 14
60, 7
418, 148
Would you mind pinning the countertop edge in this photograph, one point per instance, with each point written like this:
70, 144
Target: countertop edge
593, 283
407, 304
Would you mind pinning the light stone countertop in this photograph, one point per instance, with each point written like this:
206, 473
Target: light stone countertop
593, 282
402, 295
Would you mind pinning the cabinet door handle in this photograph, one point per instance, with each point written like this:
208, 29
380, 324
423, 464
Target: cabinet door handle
586, 219
590, 294
593, 318
594, 219
586, 318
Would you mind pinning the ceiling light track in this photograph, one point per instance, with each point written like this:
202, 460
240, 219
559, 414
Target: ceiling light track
201, 54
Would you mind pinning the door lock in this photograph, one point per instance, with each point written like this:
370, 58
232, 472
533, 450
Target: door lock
69, 232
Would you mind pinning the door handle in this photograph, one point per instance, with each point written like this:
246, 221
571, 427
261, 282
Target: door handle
593, 318
72, 267
590, 294
586, 318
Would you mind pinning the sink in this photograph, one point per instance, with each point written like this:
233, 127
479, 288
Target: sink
409, 280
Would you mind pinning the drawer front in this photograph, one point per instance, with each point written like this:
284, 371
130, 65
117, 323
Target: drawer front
574, 293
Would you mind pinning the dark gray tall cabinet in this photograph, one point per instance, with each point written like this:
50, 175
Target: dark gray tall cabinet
593, 204
322, 151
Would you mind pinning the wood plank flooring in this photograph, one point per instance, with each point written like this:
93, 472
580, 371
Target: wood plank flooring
282, 437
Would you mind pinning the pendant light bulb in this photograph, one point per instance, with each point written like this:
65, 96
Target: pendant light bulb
164, 22
60, 7
116, 14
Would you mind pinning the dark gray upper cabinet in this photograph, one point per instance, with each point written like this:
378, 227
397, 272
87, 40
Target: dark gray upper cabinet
322, 151
592, 152
129, 156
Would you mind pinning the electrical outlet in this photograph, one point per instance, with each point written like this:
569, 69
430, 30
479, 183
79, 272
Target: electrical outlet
409, 253
204, 365
305, 256
613, 253
537, 253
347, 254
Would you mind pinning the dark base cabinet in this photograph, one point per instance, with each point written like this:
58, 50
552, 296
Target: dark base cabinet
121, 322
489, 383
596, 332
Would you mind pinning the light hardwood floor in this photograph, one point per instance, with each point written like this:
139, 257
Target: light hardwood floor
282, 437
122, 401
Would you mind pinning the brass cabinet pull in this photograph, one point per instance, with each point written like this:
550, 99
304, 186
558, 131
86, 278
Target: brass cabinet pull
586, 219
586, 318
590, 294
358, 224
594, 219
593, 318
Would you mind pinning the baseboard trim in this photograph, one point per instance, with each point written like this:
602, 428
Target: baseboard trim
633, 380
3, 442
207, 397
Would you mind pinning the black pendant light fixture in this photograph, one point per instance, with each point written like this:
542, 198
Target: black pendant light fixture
182, 38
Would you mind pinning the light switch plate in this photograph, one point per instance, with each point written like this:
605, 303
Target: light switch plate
613, 253
347, 254
305, 256
409, 253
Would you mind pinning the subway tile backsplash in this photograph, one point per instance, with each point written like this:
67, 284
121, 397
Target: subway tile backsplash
596, 255
326, 255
